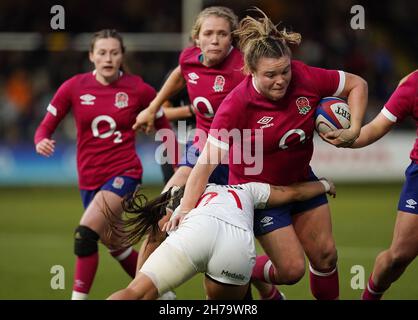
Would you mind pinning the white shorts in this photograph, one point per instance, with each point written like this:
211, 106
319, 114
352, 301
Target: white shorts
202, 243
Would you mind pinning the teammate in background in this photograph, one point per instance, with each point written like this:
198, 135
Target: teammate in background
178, 107
390, 264
278, 98
215, 238
105, 103
210, 69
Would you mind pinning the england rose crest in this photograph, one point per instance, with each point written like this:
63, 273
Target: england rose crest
303, 105
218, 86
121, 100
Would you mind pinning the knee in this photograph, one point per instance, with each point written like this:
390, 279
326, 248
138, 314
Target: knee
292, 272
326, 258
85, 241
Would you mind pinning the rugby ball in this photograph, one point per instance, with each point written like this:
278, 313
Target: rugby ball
332, 113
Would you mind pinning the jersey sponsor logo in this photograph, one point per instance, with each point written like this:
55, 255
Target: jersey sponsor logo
265, 122
118, 183
193, 77
233, 275
218, 86
266, 221
87, 99
411, 203
121, 100
303, 105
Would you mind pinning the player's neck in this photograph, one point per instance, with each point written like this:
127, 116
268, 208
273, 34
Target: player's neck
106, 80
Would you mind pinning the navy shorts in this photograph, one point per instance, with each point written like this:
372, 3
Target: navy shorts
121, 185
268, 220
191, 154
408, 201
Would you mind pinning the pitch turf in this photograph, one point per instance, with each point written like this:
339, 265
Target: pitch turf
36, 226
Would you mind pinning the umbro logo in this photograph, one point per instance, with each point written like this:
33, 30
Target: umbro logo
265, 122
87, 99
266, 221
411, 203
193, 77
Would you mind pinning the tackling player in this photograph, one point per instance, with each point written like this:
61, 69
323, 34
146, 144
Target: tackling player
215, 238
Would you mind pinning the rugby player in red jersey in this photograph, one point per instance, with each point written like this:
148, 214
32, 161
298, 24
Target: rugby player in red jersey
391, 263
104, 103
273, 109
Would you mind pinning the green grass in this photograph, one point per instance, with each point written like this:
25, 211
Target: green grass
36, 227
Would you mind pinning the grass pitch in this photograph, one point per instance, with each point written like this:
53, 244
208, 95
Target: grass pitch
37, 223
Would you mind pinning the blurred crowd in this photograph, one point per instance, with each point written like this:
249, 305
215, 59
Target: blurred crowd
382, 53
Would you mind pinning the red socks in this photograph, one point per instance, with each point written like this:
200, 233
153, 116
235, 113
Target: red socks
127, 259
85, 270
324, 285
263, 270
370, 292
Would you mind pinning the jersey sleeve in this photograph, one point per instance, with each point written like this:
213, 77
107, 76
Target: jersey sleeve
56, 111
228, 122
401, 102
260, 193
327, 82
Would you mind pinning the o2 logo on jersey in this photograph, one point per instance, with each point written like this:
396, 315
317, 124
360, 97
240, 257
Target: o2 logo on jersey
121, 100
111, 131
303, 105
298, 135
204, 107
218, 86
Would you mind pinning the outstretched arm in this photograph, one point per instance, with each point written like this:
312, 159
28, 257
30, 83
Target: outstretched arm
280, 195
373, 131
174, 83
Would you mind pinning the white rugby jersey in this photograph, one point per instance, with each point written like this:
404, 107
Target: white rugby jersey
233, 204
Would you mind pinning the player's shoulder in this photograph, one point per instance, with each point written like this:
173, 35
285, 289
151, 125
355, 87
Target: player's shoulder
76, 81
236, 56
410, 79
135, 81
189, 54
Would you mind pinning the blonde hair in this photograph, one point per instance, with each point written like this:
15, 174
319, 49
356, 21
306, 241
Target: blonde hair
260, 38
222, 12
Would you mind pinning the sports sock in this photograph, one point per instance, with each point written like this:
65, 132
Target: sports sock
324, 284
127, 258
263, 269
85, 270
370, 292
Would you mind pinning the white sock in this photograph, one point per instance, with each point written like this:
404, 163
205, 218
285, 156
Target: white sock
79, 296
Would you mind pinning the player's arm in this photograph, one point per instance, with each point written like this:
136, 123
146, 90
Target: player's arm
178, 113
208, 160
280, 195
174, 83
56, 111
373, 131
356, 91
